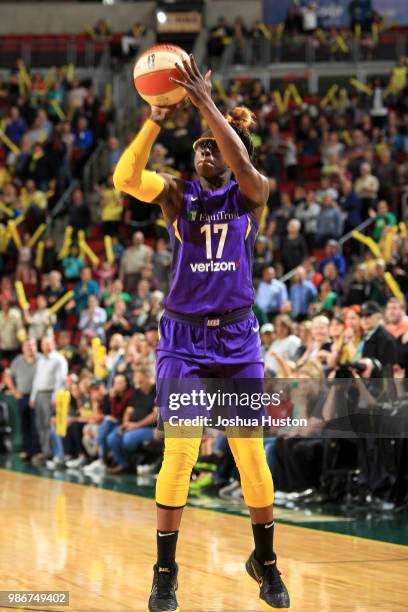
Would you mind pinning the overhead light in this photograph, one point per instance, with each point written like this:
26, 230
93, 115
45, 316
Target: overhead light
108, 2
161, 16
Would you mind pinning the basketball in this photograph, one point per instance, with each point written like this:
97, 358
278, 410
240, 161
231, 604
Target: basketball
152, 74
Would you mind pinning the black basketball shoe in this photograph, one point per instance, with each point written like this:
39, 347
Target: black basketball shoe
273, 593
163, 596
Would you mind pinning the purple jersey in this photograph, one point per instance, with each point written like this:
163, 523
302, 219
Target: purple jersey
212, 241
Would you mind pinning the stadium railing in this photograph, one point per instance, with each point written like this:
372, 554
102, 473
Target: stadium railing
92, 168
61, 206
346, 238
346, 47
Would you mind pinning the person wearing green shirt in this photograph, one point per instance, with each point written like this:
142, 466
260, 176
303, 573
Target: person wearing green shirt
115, 294
327, 297
383, 218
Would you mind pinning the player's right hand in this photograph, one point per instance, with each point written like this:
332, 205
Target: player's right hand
160, 114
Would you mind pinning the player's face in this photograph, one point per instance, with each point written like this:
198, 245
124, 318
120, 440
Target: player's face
208, 160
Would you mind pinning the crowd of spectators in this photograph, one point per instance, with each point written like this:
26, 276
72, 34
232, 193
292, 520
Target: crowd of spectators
51, 123
242, 42
330, 166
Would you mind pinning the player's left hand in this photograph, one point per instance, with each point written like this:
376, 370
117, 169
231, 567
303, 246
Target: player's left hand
198, 87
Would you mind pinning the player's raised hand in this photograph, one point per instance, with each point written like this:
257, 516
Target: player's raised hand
160, 114
198, 86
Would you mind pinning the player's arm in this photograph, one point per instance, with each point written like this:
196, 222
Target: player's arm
253, 185
132, 177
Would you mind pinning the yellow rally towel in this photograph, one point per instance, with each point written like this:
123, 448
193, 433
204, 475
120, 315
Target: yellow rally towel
62, 402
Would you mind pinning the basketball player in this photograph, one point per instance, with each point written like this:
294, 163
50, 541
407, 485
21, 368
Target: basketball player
208, 328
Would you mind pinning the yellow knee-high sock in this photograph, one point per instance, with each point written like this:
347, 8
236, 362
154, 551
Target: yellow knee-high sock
173, 481
256, 478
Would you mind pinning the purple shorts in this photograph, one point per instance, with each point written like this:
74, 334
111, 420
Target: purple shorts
219, 349
209, 348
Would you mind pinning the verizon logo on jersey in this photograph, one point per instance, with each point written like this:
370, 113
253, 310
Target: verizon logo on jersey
215, 266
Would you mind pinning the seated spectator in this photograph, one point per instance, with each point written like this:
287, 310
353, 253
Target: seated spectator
100, 408
396, 322
267, 333
41, 322
378, 287
382, 219
332, 147
358, 290
320, 343
286, 344
312, 274
326, 189
92, 320
219, 38
350, 204
329, 222
11, 327
301, 295
83, 137
311, 146
7, 291
134, 259
309, 17
116, 352
31, 196
137, 425
39, 168
115, 152
73, 264
79, 215
284, 213
386, 171
16, 125
290, 159
111, 207
293, 22
161, 264
273, 149
113, 295
334, 256
119, 399
327, 298
151, 316
50, 257
101, 30
271, 295
331, 274
105, 273
40, 131
25, 272
366, 187
294, 247
130, 42
297, 459
66, 348
262, 256
85, 288
117, 323
307, 212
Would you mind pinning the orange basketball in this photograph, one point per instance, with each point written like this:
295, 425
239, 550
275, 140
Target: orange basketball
152, 72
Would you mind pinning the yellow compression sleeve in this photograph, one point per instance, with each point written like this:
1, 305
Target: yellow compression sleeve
130, 175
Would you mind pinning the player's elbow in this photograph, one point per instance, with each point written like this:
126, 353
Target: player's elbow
118, 180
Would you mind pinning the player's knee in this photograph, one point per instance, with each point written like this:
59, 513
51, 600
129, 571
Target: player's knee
179, 461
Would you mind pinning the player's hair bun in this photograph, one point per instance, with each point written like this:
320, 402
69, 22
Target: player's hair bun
241, 117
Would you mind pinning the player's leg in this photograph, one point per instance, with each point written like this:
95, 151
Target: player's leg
180, 455
257, 487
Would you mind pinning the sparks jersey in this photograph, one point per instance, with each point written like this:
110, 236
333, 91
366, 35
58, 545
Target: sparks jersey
212, 241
